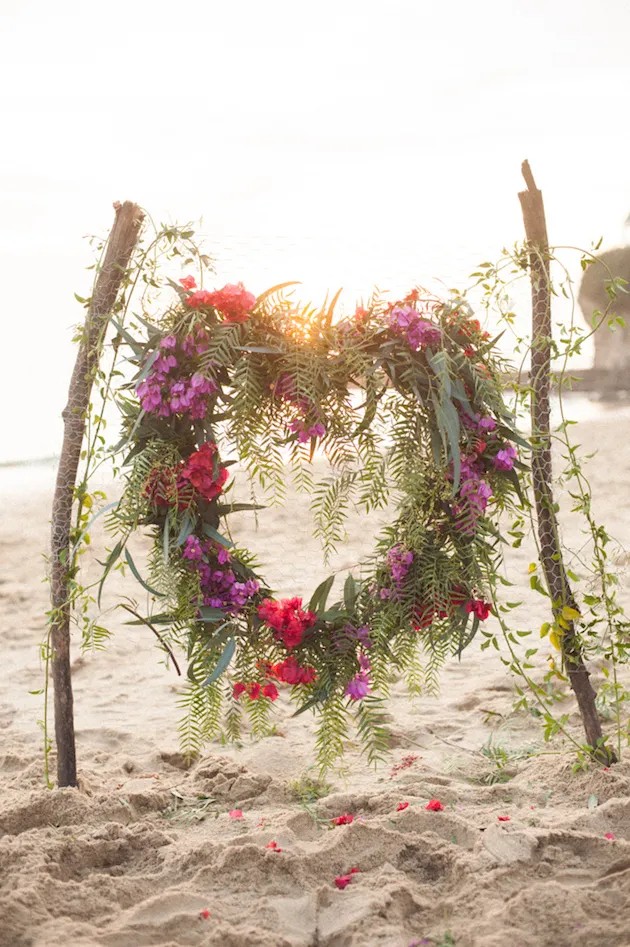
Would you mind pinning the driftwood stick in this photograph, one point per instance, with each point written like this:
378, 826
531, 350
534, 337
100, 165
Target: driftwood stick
120, 246
550, 549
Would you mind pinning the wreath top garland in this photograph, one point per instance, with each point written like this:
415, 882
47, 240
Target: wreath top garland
404, 399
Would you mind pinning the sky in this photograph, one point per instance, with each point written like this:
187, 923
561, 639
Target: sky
337, 143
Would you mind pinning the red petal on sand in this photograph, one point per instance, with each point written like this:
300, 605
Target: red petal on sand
503, 818
345, 819
273, 846
342, 881
434, 805
401, 806
205, 914
610, 836
235, 813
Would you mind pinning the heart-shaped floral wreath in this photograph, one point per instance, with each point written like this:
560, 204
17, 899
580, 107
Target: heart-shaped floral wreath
404, 399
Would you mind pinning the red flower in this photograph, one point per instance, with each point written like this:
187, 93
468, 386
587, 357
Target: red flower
238, 689
233, 302
201, 298
434, 805
270, 691
480, 608
199, 470
287, 618
188, 282
253, 690
345, 819
290, 672
273, 846
401, 806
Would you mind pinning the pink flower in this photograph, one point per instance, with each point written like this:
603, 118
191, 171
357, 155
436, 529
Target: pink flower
610, 836
188, 282
342, 881
345, 819
201, 298
504, 459
235, 813
358, 687
434, 805
233, 302
401, 806
238, 689
270, 691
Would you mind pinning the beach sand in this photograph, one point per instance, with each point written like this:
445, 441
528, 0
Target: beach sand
145, 852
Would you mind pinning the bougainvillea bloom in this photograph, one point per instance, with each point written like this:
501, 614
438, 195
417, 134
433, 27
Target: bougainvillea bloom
270, 691
290, 672
173, 384
217, 581
419, 333
188, 282
504, 459
287, 618
402, 806
202, 471
479, 608
434, 805
346, 819
233, 301
358, 687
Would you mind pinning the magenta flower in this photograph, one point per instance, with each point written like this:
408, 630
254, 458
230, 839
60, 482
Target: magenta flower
504, 459
358, 687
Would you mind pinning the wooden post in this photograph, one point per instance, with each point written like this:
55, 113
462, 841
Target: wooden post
120, 246
550, 549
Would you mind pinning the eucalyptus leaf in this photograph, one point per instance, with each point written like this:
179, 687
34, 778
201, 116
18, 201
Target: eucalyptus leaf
109, 564
137, 575
222, 663
216, 535
320, 595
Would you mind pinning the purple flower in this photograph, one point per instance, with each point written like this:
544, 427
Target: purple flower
486, 424
358, 687
504, 459
192, 549
417, 332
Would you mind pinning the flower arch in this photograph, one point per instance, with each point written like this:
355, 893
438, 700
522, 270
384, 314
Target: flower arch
404, 400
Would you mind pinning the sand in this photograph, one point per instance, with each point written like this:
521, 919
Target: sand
146, 853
